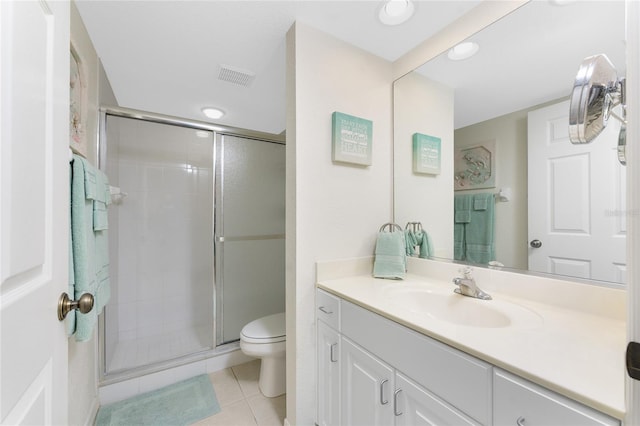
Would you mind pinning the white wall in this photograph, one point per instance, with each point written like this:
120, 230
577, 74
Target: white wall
424, 106
89, 61
333, 211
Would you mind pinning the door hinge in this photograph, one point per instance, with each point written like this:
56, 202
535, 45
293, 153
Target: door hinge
633, 360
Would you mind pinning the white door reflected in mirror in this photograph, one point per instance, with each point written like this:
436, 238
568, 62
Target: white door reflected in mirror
576, 191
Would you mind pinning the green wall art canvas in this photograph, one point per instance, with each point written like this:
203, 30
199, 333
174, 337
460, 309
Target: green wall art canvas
426, 154
351, 139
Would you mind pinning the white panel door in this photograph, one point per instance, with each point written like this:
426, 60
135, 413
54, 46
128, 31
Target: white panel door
366, 389
576, 199
34, 210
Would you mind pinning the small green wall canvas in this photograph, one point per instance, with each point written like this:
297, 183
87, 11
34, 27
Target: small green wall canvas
426, 154
351, 139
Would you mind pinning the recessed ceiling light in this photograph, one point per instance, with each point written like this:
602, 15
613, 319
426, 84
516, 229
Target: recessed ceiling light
394, 12
561, 2
214, 113
463, 51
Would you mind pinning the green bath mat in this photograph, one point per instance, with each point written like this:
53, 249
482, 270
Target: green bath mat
181, 403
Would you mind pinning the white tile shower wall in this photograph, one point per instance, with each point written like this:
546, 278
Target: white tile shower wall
165, 248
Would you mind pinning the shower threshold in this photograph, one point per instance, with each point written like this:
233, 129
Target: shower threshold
115, 376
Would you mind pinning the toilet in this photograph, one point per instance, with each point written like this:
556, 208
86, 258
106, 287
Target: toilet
265, 338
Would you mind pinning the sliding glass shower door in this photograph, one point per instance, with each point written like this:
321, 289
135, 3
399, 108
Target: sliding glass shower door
249, 232
162, 254
196, 238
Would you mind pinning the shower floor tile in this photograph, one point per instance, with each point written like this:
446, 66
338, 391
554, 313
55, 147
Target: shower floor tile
148, 350
240, 400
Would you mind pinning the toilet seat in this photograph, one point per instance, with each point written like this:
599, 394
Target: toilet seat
269, 329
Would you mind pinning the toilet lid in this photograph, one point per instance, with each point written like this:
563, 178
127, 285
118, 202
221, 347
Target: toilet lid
269, 329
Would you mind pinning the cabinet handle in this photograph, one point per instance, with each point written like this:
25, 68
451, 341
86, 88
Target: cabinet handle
334, 346
382, 400
325, 310
395, 402
520, 421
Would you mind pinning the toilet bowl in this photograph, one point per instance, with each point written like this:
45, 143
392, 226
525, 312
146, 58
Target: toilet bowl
265, 338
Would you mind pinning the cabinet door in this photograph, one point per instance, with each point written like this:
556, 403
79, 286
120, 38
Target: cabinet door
366, 389
328, 375
517, 401
415, 406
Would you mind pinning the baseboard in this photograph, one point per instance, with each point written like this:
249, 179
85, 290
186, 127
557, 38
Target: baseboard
229, 359
90, 420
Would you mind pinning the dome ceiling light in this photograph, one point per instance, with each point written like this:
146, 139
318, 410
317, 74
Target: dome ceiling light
214, 113
463, 51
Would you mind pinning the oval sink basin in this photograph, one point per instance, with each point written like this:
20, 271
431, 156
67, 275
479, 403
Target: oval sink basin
461, 310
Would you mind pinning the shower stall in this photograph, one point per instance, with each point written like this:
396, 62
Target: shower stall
196, 238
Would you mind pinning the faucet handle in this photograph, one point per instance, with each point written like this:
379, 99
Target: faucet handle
466, 271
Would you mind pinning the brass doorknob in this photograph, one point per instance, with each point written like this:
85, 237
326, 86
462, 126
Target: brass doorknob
66, 305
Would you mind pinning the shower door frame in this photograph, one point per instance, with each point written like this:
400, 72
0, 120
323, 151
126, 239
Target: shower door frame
218, 131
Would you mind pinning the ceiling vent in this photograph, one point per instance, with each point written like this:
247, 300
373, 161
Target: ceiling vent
236, 75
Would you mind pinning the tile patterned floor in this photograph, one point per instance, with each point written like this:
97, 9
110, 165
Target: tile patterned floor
240, 400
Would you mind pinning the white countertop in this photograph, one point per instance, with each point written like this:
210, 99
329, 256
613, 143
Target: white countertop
577, 354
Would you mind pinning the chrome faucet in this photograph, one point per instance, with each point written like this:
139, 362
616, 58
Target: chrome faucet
467, 285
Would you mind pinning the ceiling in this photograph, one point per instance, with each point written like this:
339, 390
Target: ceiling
165, 56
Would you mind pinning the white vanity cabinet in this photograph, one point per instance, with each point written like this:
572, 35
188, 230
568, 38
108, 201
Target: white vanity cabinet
461, 382
373, 390
519, 402
374, 393
374, 371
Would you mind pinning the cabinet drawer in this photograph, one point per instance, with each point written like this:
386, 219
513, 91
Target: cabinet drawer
459, 379
328, 309
517, 401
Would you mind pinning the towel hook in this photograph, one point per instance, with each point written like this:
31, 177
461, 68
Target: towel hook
415, 226
66, 305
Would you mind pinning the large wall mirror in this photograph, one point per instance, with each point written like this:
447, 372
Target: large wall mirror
505, 110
